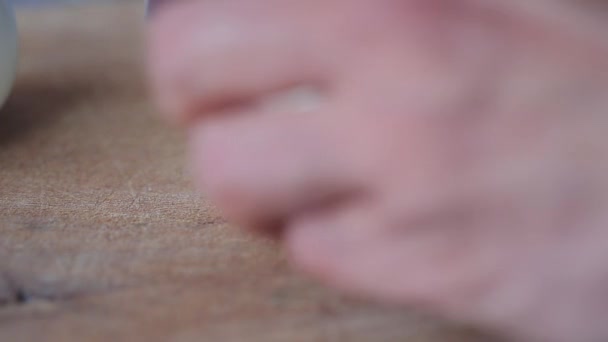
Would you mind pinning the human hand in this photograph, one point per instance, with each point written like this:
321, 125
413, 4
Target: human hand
446, 154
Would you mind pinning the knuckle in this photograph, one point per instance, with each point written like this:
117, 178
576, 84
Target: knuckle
221, 178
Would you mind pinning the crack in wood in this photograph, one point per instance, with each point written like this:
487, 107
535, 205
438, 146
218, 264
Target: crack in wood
15, 292
11, 293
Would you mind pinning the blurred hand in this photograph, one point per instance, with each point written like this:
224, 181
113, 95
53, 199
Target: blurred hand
446, 154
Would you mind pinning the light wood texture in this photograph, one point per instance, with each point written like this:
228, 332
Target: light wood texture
101, 235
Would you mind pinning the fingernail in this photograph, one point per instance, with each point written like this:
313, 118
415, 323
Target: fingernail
301, 99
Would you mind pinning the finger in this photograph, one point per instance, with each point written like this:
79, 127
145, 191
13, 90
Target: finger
261, 168
345, 248
357, 249
206, 55
323, 242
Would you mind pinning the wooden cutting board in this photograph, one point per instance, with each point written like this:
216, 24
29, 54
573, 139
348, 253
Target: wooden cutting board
101, 235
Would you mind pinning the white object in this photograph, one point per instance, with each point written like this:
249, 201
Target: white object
8, 50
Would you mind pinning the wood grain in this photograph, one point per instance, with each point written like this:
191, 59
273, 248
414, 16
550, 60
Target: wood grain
103, 238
